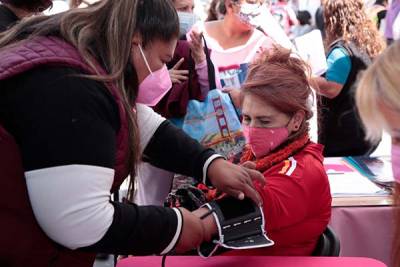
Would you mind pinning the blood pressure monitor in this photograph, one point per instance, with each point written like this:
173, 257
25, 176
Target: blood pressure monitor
241, 225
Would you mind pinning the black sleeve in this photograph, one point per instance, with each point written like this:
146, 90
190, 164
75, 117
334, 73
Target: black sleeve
138, 230
172, 149
60, 119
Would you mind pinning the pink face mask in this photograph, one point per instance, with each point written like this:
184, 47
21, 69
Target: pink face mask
264, 140
396, 162
155, 86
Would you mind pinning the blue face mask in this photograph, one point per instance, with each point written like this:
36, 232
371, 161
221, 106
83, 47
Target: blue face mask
186, 22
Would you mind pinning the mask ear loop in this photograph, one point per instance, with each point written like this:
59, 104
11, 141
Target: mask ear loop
144, 58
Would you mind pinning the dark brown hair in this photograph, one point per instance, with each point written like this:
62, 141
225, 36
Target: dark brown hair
216, 6
281, 79
30, 5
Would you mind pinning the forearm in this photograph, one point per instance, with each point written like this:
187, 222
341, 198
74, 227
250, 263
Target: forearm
202, 74
173, 150
76, 212
326, 88
140, 231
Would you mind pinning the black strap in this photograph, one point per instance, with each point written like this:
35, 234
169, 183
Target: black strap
192, 71
210, 66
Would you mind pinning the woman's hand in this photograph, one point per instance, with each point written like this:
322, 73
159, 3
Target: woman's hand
196, 45
177, 75
235, 180
193, 233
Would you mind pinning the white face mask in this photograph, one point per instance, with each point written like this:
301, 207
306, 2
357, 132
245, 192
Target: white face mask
186, 22
248, 12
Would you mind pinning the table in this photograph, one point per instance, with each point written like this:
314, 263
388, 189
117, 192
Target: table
366, 201
238, 261
364, 226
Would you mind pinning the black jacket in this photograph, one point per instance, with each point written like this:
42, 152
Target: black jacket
340, 129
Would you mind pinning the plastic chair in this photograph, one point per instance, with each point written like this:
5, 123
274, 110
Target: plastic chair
328, 244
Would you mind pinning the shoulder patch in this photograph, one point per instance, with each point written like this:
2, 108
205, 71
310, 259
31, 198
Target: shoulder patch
288, 167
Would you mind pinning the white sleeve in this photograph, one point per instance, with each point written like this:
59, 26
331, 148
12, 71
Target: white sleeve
148, 123
71, 203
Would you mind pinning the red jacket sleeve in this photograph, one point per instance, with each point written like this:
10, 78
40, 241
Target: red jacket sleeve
296, 190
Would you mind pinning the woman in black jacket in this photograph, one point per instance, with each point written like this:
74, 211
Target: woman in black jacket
67, 98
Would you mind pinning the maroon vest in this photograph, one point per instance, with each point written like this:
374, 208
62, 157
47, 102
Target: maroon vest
22, 242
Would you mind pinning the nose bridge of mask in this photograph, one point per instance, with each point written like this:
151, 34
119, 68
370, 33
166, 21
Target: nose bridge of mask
145, 59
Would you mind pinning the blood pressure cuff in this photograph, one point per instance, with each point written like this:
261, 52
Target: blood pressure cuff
241, 225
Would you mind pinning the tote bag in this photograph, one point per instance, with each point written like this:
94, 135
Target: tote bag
214, 122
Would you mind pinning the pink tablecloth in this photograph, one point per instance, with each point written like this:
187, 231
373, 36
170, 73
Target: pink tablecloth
364, 231
222, 261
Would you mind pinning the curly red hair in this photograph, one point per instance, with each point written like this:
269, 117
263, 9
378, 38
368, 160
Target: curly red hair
347, 20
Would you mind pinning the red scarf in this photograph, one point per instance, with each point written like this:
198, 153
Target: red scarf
270, 160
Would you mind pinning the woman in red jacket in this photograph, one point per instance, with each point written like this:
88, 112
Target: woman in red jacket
276, 113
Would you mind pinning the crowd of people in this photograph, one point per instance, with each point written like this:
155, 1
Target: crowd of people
90, 98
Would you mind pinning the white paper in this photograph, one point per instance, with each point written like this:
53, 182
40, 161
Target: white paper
352, 183
311, 49
271, 27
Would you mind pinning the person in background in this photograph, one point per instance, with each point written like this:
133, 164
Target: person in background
319, 19
154, 184
12, 11
304, 25
353, 42
377, 98
235, 40
377, 12
184, 6
276, 114
391, 14
232, 40
189, 60
71, 131
284, 14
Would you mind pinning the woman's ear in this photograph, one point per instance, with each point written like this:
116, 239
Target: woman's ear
296, 121
137, 39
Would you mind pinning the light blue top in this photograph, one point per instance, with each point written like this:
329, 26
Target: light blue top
339, 66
